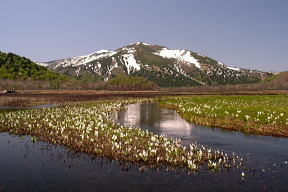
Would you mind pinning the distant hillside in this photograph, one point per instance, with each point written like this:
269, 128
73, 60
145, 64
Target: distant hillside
164, 66
13, 67
278, 81
21, 73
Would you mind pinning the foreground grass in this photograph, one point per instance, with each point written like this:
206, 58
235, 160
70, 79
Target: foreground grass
263, 114
89, 128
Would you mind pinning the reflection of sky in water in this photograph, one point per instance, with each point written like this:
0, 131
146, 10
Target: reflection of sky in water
176, 126
23, 163
165, 121
263, 151
133, 114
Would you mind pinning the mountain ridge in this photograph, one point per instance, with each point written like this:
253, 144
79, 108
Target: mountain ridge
164, 66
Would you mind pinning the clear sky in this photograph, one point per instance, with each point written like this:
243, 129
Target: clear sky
242, 33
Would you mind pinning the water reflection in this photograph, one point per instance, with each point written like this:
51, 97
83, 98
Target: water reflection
261, 152
155, 119
28, 166
40, 166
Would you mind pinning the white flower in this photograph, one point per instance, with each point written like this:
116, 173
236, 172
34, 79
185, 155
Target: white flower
114, 137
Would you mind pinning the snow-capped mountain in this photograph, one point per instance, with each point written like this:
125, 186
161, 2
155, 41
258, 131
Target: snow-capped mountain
157, 63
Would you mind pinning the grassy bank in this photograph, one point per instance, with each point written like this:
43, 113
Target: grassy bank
37, 97
262, 114
88, 128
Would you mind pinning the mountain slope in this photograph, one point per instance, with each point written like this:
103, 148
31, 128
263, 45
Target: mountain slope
164, 66
13, 66
277, 81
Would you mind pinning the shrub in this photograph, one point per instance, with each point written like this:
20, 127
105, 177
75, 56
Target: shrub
123, 82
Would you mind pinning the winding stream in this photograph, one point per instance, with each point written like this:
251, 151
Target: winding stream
40, 166
265, 156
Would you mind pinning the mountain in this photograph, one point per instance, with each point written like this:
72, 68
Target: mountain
162, 65
13, 66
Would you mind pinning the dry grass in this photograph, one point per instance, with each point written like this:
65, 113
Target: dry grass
35, 97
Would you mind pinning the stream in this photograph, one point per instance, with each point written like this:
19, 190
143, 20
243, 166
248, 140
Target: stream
40, 166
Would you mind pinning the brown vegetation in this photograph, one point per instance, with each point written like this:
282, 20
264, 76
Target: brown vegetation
28, 98
35, 97
279, 82
46, 85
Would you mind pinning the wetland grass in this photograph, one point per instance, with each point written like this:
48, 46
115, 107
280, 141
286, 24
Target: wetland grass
89, 128
261, 114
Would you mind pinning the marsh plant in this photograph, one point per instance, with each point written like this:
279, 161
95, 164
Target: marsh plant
89, 128
266, 114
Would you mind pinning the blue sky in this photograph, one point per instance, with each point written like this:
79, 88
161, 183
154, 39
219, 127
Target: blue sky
243, 33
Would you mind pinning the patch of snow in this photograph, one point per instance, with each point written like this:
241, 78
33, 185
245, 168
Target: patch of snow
102, 51
114, 65
179, 70
58, 65
93, 56
220, 63
114, 61
234, 68
182, 55
130, 62
43, 64
138, 43
78, 71
82, 60
131, 51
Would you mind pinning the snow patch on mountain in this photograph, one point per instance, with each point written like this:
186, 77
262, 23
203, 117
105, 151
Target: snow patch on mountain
81, 60
114, 64
220, 63
179, 69
99, 65
130, 61
182, 55
234, 68
139, 43
77, 71
43, 64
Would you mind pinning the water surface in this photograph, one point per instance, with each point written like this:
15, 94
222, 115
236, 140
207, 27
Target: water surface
265, 156
28, 166
40, 166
